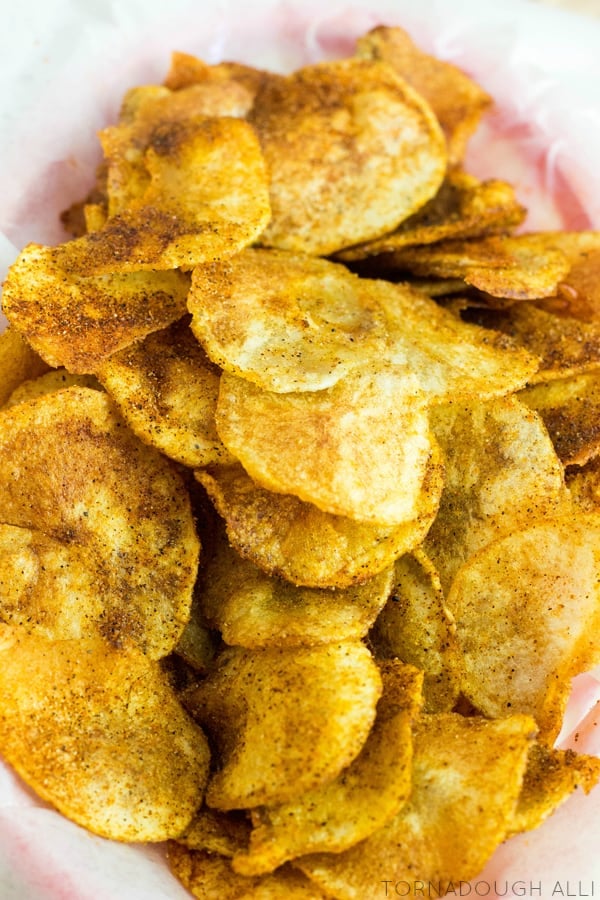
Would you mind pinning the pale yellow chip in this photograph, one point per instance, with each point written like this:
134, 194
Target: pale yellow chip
206, 198
361, 449
467, 775
284, 721
99, 734
527, 611
284, 321
417, 627
352, 150
463, 207
457, 100
166, 390
362, 799
18, 363
77, 321
286, 537
502, 472
99, 535
49, 383
252, 609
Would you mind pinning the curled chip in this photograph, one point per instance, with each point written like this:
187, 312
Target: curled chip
284, 321
18, 363
360, 449
99, 535
166, 390
467, 775
252, 609
77, 321
527, 611
206, 198
284, 721
285, 536
99, 733
352, 150
502, 472
362, 799
457, 101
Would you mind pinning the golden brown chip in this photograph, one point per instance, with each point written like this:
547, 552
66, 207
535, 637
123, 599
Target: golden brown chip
284, 721
252, 609
527, 611
284, 321
352, 150
99, 734
502, 472
49, 383
197, 645
217, 832
206, 197
360, 449
570, 408
186, 70
98, 532
457, 101
18, 362
463, 207
584, 485
417, 627
166, 390
78, 321
362, 799
296, 541
467, 774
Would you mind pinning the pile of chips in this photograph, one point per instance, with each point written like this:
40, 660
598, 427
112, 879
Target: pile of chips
298, 562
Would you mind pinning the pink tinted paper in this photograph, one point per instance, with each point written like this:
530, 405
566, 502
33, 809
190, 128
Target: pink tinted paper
64, 68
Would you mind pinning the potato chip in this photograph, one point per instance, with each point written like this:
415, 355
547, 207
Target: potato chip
584, 485
570, 408
457, 101
284, 321
206, 198
208, 876
252, 609
360, 449
296, 541
362, 799
218, 832
284, 721
502, 266
49, 383
502, 472
77, 321
197, 645
99, 535
166, 390
467, 774
352, 150
528, 618
463, 207
99, 734
18, 363
550, 777
186, 70
417, 627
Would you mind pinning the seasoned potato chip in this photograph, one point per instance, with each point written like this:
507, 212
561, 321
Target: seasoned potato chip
527, 611
502, 472
186, 70
284, 721
98, 733
252, 609
296, 541
99, 534
206, 198
285, 322
166, 390
76, 321
584, 485
210, 877
218, 832
360, 449
463, 207
352, 150
49, 383
502, 266
417, 627
467, 774
362, 799
18, 362
457, 101
551, 776
570, 408
197, 645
